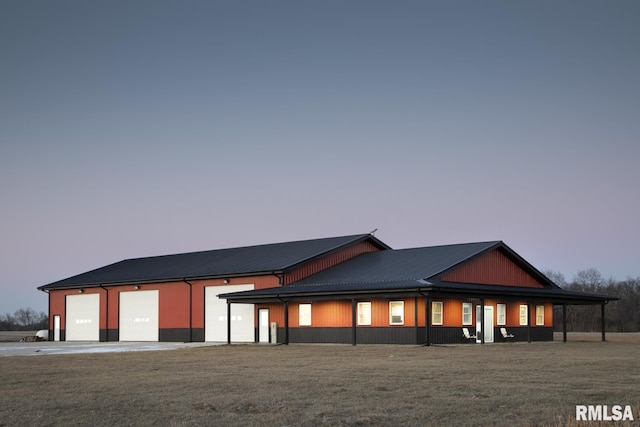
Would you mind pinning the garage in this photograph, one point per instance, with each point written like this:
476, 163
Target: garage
83, 317
139, 315
242, 316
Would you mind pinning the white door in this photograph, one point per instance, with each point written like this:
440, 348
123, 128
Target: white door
484, 324
83, 318
139, 315
56, 327
263, 331
215, 315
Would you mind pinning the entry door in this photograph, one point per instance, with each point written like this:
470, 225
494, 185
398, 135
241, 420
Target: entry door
263, 330
56, 327
484, 325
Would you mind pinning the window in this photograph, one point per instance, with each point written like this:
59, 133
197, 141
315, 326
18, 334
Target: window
304, 315
539, 314
364, 313
524, 314
436, 313
466, 313
396, 312
502, 314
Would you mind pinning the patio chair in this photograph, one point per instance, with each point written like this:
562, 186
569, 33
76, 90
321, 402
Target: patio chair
467, 335
505, 334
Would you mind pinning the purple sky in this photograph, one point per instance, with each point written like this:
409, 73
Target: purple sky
142, 128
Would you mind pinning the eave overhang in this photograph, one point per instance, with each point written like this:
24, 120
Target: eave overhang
413, 288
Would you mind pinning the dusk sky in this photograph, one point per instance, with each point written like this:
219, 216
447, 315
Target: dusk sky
140, 128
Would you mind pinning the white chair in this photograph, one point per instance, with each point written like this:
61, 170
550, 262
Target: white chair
504, 333
467, 335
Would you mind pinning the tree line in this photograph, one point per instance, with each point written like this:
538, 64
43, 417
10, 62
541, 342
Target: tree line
25, 319
620, 316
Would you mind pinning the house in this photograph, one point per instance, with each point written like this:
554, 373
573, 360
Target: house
349, 289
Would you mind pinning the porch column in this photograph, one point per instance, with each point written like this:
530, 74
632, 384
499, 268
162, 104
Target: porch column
228, 322
481, 321
564, 322
286, 323
427, 321
528, 322
354, 320
415, 319
603, 321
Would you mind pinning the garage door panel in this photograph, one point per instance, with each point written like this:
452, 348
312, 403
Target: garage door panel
82, 317
139, 315
242, 316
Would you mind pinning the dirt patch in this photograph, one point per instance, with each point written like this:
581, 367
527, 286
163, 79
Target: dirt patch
502, 384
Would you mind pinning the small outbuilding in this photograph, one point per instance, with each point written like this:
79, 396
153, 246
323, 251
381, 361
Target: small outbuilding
350, 289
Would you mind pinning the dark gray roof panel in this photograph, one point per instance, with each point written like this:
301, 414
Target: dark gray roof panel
275, 257
367, 289
400, 264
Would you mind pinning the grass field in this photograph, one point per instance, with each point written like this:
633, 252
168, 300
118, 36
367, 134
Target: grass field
332, 385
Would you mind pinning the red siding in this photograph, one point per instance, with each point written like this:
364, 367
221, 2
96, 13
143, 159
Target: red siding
329, 261
493, 268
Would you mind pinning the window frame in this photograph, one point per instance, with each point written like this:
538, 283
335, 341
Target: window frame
391, 314
524, 321
539, 315
470, 314
501, 315
364, 307
435, 312
302, 316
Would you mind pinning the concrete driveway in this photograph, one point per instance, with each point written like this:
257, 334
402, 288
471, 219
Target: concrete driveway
50, 347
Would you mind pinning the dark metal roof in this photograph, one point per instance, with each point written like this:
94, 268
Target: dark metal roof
401, 264
243, 261
416, 272
413, 288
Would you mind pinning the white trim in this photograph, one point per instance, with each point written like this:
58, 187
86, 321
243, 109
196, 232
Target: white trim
304, 314
539, 315
524, 314
468, 314
435, 312
364, 313
501, 317
399, 313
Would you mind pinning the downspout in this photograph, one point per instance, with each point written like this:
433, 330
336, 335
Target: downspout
106, 291
190, 310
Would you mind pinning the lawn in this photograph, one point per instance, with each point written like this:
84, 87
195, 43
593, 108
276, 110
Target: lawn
332, 385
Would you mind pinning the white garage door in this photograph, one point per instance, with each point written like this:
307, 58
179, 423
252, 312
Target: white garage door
215, 315
83, 318
139, 315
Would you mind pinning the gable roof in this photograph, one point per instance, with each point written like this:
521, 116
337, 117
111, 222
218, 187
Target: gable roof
412, 271
399, 265
243, 261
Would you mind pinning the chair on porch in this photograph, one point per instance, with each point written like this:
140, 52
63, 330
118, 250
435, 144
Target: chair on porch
467, 335
505, 334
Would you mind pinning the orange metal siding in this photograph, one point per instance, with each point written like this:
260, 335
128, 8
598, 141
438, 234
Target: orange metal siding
329, 261
493, 268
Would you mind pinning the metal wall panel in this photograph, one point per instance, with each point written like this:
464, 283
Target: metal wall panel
329, 261
493, 268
